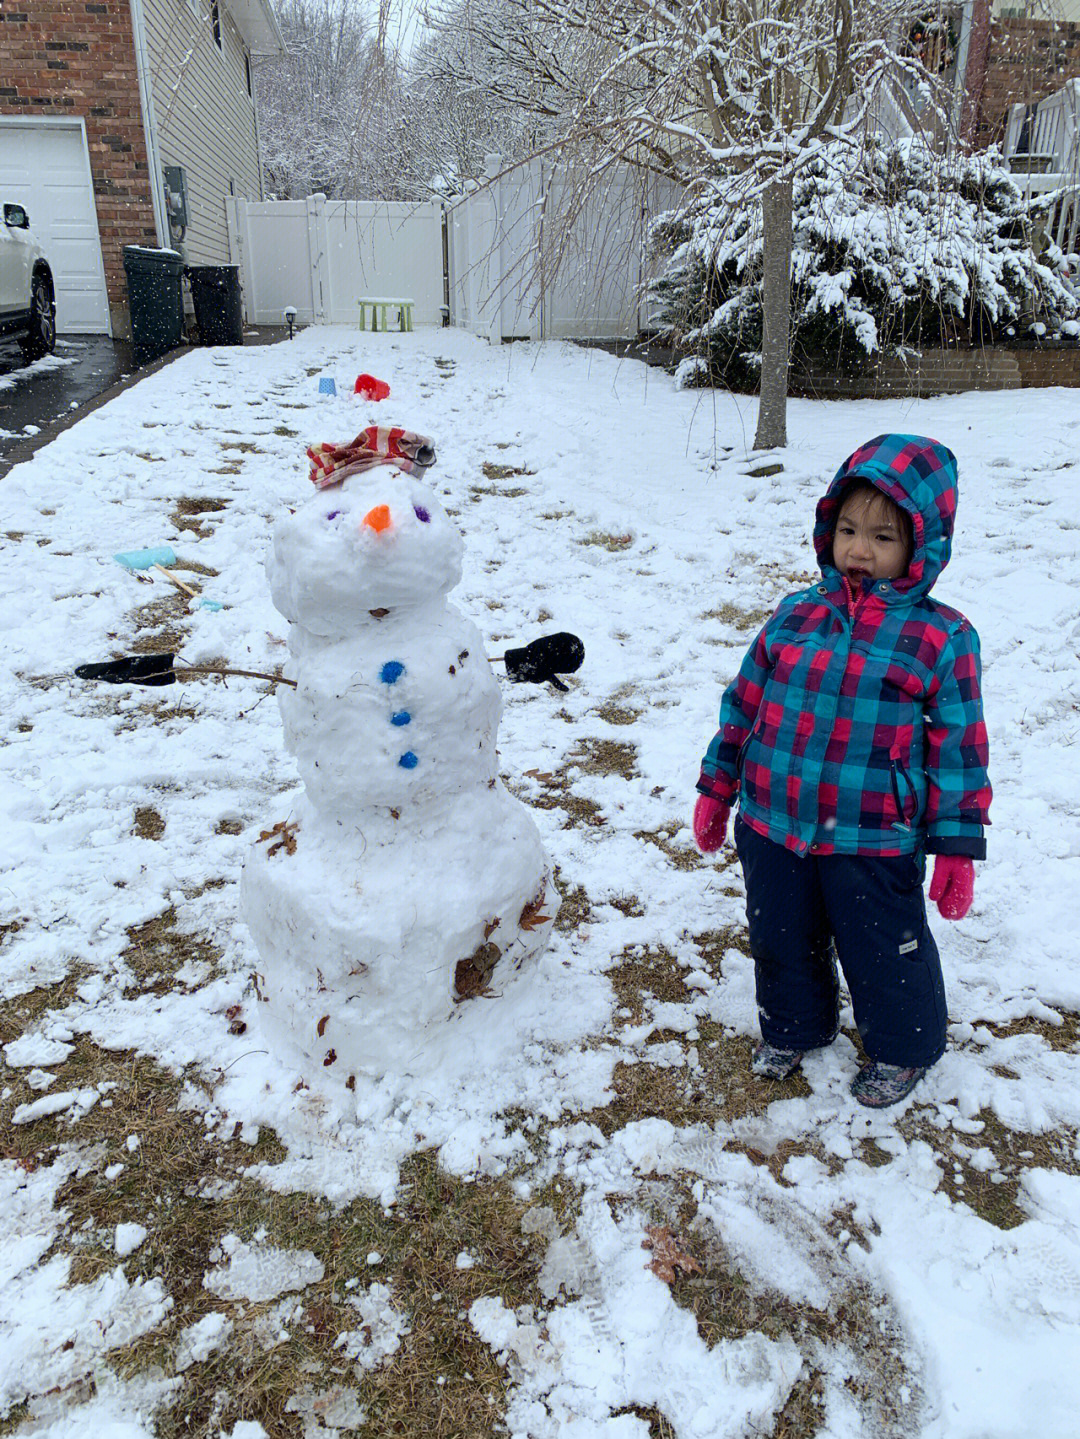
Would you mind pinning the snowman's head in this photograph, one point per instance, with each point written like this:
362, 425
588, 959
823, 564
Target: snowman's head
380, 541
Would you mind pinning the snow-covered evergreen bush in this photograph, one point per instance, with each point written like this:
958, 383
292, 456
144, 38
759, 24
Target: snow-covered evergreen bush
896, 248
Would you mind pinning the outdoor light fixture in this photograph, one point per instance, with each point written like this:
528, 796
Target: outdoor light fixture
290, 318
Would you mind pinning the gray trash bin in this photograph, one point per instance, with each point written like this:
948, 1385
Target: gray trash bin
215, 293
155, 300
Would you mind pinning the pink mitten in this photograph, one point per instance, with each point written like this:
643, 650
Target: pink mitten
710, 823
953, 885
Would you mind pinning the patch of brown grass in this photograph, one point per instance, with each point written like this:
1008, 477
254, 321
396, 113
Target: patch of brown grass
605, 757
1063, 1036
574, 907
992, 1194
612, 543
479, 492
738, 617
161, 624
729, 1305
22, 1011
618, 708
651, 1091
186, 512
803, 1411
493, 471
640, 975
189, 1187
149, 824
557, 794
678, 856
157, 949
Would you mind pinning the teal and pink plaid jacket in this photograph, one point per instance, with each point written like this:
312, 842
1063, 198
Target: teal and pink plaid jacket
855, 723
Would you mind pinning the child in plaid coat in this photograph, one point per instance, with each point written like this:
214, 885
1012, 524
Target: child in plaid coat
853, 738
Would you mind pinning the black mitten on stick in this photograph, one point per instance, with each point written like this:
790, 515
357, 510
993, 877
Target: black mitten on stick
542, 661
133, 669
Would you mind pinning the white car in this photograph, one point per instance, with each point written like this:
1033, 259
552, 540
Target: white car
27, 294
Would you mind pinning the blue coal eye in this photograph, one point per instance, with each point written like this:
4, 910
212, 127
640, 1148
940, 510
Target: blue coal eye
421, 514
333, 514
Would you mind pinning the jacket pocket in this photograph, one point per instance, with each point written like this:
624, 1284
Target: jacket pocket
905, 798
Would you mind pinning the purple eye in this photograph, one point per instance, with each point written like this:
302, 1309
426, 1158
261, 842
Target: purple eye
421, 514
333, 514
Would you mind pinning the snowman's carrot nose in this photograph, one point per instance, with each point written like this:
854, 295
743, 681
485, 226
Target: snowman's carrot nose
377, 519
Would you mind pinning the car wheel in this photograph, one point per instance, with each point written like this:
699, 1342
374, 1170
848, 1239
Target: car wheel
41, 337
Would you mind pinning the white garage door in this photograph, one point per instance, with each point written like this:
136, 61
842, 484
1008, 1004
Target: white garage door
45, 166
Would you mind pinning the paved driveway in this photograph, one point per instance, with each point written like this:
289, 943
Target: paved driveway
38, 401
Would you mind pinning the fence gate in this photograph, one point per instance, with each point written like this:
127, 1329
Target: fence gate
524, 260
320, 256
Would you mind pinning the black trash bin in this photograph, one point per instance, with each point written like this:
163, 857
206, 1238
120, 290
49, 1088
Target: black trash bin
215, 293
155, 300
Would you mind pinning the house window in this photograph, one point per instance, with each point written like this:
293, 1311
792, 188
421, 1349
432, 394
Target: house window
247, 72
215, 21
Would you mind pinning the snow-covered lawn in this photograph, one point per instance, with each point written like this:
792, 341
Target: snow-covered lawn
195, 1240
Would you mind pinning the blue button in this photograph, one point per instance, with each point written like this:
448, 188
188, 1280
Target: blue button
391, 672
408, 760
401, 717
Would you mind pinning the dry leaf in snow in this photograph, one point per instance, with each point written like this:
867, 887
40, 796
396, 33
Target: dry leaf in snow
668, 1256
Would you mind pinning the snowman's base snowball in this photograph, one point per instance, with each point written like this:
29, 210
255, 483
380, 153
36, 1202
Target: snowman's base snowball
371, 941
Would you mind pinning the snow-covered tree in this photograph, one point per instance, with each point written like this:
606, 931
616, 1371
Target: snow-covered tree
331, 112
460, 106
893, 247
744, 91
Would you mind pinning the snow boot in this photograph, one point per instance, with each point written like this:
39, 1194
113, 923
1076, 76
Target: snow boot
768, 1062
880, 1085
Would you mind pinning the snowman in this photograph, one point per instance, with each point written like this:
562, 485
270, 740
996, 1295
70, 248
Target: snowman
406, 883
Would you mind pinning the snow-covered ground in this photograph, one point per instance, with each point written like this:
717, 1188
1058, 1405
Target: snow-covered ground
629, 513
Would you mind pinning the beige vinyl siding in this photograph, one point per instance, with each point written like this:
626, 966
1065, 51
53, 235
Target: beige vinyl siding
204, 115
1067, 10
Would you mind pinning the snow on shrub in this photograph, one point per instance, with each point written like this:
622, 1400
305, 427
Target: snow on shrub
896, 248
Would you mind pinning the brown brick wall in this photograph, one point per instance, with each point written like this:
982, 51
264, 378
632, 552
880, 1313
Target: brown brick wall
1040, 368
947, 372
77, 57
1026, 61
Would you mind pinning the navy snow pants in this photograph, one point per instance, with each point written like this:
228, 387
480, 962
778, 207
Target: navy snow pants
872, 910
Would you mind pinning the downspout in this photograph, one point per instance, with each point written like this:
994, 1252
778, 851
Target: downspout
961, 103
146, 100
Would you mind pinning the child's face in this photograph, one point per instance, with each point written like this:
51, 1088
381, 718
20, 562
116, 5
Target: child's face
870, 538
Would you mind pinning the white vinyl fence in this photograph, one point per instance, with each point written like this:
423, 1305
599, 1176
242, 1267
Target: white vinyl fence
528, 260
519, 259
321, 256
